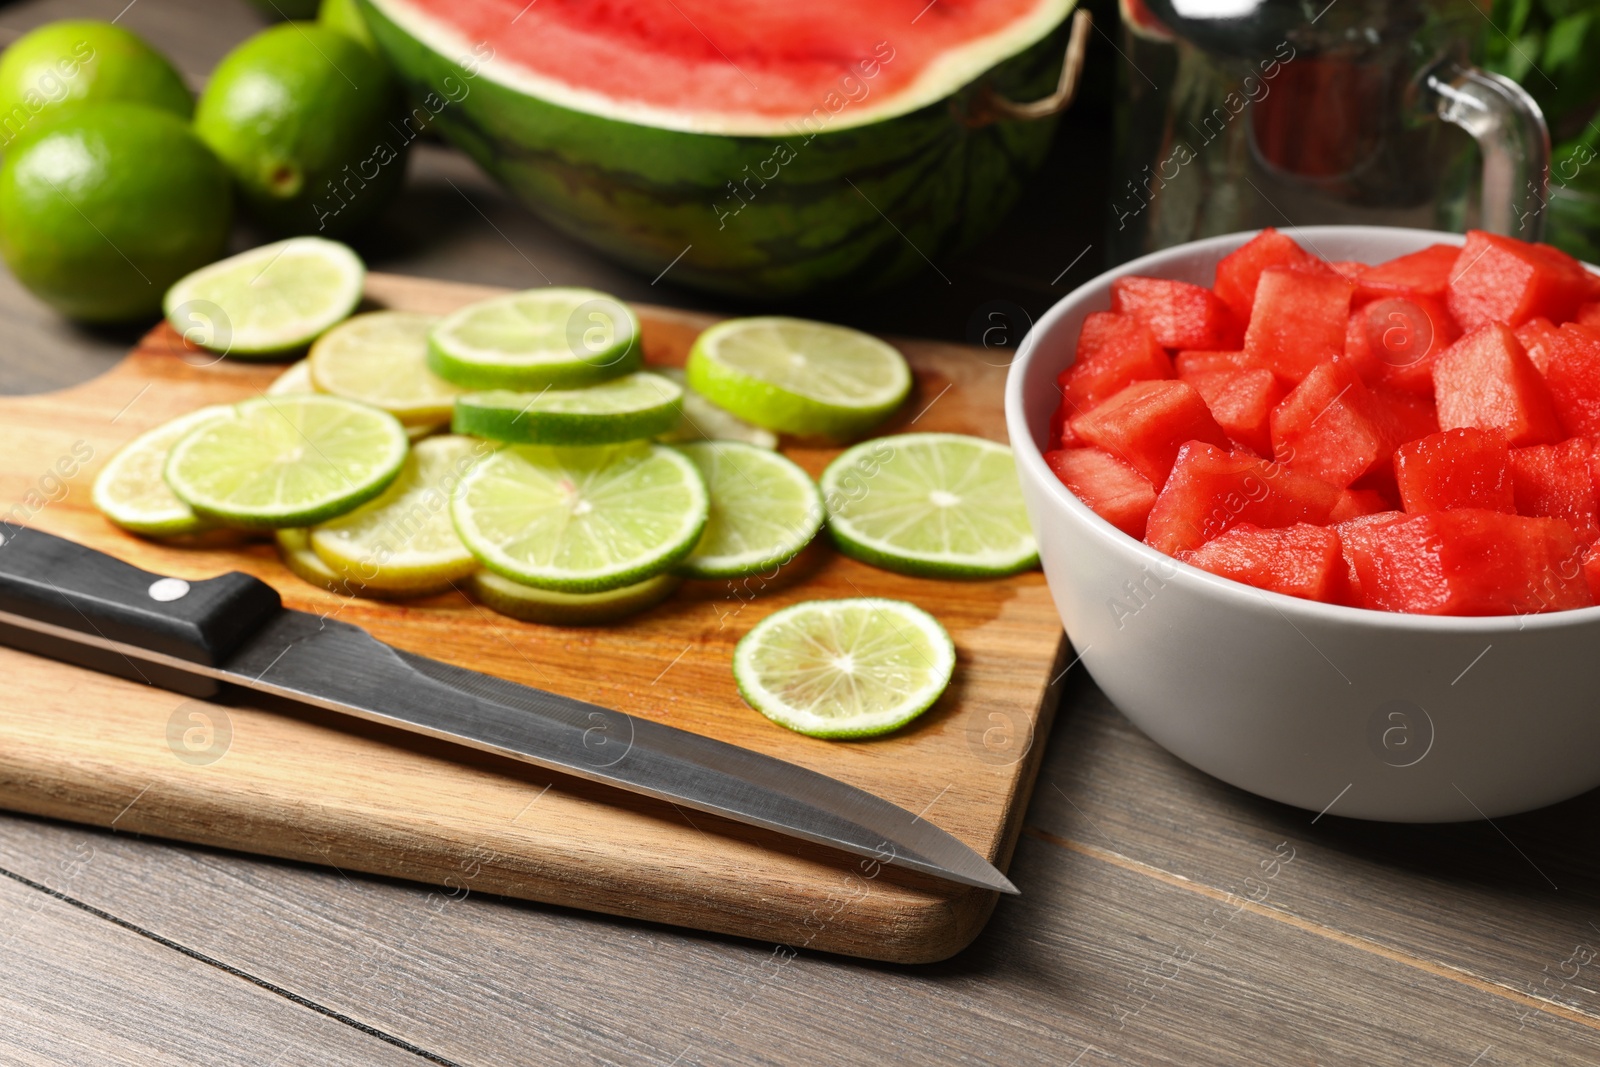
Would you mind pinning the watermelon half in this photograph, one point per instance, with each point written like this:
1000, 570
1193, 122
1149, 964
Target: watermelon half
779, 149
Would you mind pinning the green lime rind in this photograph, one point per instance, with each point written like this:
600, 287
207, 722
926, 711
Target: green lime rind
552, 608
634, 406
555, 338
130, 491
844, 669
808, 379
938, 505
286, 461
294, 549
764, 510
269, 301
581, 520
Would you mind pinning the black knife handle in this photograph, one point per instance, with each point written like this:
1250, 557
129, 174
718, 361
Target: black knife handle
53, 580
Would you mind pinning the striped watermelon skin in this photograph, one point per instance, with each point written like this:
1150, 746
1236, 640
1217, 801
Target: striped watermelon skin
806, 215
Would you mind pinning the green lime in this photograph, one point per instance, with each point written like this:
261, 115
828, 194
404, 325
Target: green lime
294, 548
623, 409
402, 540
538, 339
82, 61
287, 461
581, 520
938, 504
345, 16
300, 115
799, 377
844, 668
106, 206
268, 301
764, 510
295, 380
704, 421
531, 604
130, 490
381, 358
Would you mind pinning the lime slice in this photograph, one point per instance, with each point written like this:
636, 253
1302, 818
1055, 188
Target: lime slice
294, 548
403, 540
559, 338
553, 608
295, 381
704, 421
805, 378
287, 461
130, 490
381, 358
267, 301
844, 668
623, 409
939, 504
581, 520
764, 510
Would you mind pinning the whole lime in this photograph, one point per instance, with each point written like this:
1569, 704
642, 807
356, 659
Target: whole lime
346, 17
81, 61
300, 114
105, 207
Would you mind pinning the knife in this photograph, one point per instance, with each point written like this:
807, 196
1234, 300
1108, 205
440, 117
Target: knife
70, 602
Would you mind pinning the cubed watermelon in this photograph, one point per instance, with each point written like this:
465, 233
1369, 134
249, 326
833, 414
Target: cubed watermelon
1468, 562
1299, 320
1239, 272
1502, 279
1327, 426
1356, 503
1538, 338
1573, 374
1588, 315
1300, 560
1395, 341
1115, 491
1425, 273
1146, 424
1342, 527
1113, 352
1211, 491
1591, 569
1242, 402
1557, 481
1198, 363
1486, 380
1464, 468
1180, 315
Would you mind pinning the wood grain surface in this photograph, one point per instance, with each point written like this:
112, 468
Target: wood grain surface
272, 777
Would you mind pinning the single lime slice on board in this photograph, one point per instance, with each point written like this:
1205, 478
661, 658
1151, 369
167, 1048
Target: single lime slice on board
296, 381
937, 504
268, 301
764, 510
701, 420
553, 608
287, 461
542, 338
799, 377
844, 668
381, 358
403, 540
581, 520
624, 409
294, 548
130, 490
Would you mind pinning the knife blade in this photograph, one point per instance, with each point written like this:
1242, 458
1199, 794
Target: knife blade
65, 600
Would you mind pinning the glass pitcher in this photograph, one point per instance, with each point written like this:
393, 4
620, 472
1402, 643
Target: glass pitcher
1239, 114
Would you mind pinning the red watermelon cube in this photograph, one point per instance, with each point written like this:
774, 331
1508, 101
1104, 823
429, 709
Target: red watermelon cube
1486, 380
1355, 504
1299, 320
1242, 402
1591, 569
1502, 279
1328, 427
1572, 372
1146, 424
1588, 314
1342, 527
1113, 352
1557, 481
1425, 273
1201, 363
1300, 560
1538, 338
1239, 272
1211, 491
1464, 468
1115, 491
1180, 315
1395, 341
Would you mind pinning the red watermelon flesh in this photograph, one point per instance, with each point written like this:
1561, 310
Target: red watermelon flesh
1115, 491
1591, 570
1180, 315
1588, 315
1425, 273
1146, 424
1300, 560
1486, 380
1328, 427
1193, 364
1239, 272
1501, 279
1538, 338
1211, 491
1114, 351
1557, 481
1396, 341
1298, 320
1355, 504
1572, 372
1242, 402
1464, 468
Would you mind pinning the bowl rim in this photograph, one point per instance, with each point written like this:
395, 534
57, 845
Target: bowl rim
1167, 567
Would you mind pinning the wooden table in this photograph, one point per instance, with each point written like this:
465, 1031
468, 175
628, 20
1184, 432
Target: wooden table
1137, 939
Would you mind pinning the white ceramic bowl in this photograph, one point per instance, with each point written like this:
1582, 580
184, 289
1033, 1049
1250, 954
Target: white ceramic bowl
1362, 713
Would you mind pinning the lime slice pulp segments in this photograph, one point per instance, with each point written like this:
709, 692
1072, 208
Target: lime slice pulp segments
381, 358
938, 504
287, 461
570, 609
581, 520
704, 421
403, 539
557, 338
764, 510
269, 300
294, 548
844, 668
798, 377
130, 490
624, 409
294, 381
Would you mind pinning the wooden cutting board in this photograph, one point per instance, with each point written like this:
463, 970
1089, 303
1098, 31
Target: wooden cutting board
275, 778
